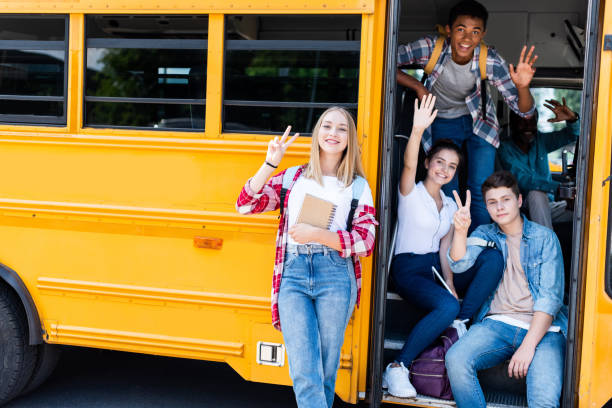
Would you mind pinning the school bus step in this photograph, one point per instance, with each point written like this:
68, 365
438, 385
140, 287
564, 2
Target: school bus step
494, 399
393, 296
394, 343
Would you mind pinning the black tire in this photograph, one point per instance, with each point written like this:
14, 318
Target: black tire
18, 358
48, 356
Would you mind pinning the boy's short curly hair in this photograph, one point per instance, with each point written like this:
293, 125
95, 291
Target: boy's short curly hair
498, 179
468, 8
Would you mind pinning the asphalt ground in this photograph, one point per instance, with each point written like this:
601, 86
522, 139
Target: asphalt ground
88, 378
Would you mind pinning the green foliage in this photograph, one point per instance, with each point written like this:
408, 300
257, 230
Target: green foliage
140, 73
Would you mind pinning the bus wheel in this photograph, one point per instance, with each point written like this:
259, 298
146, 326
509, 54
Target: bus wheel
48, 356
18, 358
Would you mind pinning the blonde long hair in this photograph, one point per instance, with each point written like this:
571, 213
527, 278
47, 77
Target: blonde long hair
350, 163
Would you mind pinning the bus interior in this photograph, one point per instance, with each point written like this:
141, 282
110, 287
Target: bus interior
556, 29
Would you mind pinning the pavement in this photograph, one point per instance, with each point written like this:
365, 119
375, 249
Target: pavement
91, 378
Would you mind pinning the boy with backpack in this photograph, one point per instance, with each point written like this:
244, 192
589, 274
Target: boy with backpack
458, 66
524, 320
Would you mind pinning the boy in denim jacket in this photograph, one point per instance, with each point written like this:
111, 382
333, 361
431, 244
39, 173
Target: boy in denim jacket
524, 320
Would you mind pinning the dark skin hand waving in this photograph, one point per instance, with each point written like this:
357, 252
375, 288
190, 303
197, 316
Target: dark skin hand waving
524, 131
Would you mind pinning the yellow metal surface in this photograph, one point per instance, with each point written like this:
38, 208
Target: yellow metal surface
596, 362
188, 6
76, 62
214, 79
100, 223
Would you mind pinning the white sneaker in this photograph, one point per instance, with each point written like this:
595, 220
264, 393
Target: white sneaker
397, 381
459, 325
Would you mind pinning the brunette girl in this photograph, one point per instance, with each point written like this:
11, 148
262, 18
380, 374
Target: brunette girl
425, 230
317, 275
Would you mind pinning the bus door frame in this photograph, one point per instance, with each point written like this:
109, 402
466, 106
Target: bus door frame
576, 298
377, 322
569, 397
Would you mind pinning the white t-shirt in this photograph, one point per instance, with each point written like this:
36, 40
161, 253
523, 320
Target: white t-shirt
420, 225
332, 190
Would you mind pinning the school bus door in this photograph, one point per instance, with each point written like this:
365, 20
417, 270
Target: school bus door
596, 358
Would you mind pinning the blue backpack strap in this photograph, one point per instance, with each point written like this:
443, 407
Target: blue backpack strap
287, 180
359, 184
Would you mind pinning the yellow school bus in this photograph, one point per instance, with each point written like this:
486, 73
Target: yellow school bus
128, 127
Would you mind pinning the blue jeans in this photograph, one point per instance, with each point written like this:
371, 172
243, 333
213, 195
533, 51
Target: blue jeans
480, 162
316, 299
490, 343
415, 282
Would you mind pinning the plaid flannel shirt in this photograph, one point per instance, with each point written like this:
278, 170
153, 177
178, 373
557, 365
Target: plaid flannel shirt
419, 52
358, 242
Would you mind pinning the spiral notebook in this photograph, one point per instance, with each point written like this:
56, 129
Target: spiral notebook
316, 212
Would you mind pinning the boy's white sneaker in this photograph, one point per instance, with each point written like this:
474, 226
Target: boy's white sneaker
397, 381
459, 325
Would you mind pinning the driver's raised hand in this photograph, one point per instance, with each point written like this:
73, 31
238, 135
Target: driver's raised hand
277, 147
462, 218
562, 111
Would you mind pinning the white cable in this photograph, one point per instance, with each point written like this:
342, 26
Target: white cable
435, 271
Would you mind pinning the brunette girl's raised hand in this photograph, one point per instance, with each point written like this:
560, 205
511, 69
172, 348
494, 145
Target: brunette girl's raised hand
425, 114
277, 147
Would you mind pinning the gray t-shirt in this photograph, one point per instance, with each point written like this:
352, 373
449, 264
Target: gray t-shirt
454, 84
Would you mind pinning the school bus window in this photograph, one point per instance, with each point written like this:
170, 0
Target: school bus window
146, 72
415, 72
283, 70
33, 69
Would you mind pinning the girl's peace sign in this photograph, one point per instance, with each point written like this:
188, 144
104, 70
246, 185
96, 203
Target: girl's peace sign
277, 148
462, 218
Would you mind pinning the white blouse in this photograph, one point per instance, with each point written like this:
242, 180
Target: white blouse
420, 225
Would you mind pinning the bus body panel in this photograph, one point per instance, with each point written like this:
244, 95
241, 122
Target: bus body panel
596, 360
100, 223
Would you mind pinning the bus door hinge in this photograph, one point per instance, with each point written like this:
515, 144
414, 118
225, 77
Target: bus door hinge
608, 42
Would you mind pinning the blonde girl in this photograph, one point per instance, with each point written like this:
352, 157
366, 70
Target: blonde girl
317, 274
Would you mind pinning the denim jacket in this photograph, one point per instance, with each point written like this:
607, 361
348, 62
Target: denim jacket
541, 259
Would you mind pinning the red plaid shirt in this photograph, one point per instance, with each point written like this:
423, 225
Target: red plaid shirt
358, 242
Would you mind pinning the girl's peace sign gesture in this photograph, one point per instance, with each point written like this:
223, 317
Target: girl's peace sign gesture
462, 218
277, 148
